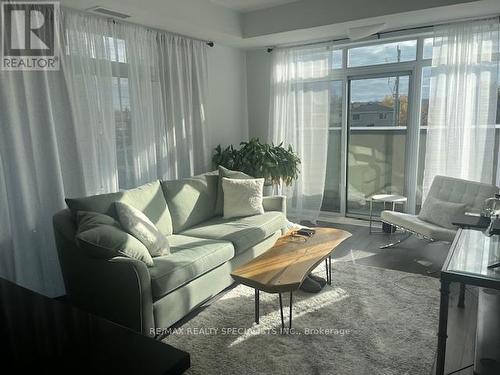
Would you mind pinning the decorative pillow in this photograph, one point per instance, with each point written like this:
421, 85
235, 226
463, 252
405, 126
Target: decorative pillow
242, 197
138, 225
100, 236
88, 220
440, 212
224, 172
148, 198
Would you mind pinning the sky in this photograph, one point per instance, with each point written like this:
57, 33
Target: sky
376, 89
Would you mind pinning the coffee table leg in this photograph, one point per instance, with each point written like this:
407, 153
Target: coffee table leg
281, 312
290, 324
257, 306
329, 270
327, 273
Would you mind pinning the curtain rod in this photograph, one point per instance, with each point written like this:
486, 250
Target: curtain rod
209, 43
376, 36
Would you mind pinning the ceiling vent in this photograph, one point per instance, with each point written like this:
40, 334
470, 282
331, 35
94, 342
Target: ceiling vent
108, 12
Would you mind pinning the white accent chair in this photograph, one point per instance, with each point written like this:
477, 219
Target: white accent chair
444, 189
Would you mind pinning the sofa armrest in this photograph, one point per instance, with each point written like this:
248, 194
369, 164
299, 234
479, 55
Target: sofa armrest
118, 289
275, 203
131, 291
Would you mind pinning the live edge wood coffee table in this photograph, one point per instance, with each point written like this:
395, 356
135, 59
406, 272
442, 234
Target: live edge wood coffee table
283, 268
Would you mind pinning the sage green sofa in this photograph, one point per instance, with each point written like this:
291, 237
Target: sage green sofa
205, 248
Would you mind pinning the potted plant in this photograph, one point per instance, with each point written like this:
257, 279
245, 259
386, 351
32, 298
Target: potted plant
276, 164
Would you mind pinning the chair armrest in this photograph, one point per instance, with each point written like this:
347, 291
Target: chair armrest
275, 203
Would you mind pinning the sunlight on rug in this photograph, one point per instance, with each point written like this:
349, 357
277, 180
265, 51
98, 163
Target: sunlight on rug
370, 321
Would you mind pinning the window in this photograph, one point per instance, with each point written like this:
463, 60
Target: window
382, 53
373, 83
428, 45
123, 126
117, 50
317, 64
380, 101
376, 145
425, 90
336, 59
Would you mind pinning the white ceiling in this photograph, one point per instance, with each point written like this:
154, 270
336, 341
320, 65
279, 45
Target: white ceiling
297, 21
244, 6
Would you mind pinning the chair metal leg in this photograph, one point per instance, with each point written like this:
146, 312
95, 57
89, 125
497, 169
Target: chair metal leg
392, 244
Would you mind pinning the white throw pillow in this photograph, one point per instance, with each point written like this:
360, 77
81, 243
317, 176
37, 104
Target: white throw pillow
138, 225
242, 197
440, 212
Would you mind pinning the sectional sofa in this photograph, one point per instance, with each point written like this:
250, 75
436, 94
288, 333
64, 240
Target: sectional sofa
205, 248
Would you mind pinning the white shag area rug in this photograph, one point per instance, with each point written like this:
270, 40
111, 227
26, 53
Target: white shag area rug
369, 321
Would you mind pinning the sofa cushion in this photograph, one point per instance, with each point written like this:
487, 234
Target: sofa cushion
191, 201
415, 224
243, 232
190, 258
147, 198
224, 172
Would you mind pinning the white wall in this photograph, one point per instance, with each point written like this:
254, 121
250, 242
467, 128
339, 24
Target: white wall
258, 86
227, 96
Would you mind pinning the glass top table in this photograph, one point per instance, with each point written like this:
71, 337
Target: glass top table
470, 255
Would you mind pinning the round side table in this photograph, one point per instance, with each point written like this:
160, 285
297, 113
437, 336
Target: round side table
392, 199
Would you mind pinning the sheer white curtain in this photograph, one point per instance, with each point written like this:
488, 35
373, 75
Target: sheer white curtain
87, 67
109, 120
463, 102
146, 91
32, 186
299, 116
183, 83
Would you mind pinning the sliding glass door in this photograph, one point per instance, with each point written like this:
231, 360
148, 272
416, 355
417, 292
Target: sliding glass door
378, 113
